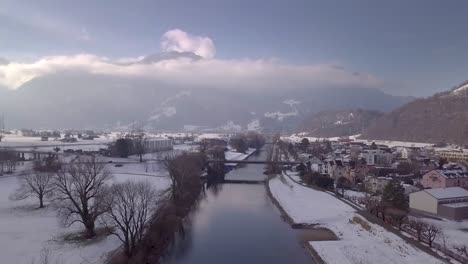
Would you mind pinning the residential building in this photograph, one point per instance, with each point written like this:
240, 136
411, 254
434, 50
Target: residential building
377, 156
376, 184
451, 203
404, 153
445, 178
454, 155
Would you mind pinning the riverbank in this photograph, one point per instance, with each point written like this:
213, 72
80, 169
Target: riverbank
238, 223
358, 240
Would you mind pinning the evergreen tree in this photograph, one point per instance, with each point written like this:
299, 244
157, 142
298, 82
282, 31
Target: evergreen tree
122, 147
305, 144
394, 196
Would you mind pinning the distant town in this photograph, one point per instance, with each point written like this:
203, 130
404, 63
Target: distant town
406, 192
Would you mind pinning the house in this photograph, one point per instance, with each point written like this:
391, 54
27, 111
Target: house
377, 156
376, 184
451, 203
336, 168
404, 153
445, 178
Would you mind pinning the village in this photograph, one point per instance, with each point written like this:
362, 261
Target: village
420, 189
390, 193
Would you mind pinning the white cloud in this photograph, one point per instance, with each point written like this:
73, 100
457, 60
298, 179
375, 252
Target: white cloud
238, 74
178, 40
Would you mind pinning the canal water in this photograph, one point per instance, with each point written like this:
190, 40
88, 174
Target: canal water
238, 223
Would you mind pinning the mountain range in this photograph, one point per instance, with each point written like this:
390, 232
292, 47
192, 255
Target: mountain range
339, 123
441, 118
78, 99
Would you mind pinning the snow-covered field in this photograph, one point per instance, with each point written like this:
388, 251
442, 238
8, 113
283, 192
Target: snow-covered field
455, 233
356, 244
27, 232
29, 143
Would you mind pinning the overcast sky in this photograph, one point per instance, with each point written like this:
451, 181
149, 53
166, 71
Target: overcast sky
415, 47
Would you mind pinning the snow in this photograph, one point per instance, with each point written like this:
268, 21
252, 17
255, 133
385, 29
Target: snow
213, 136
444, 193
280, 116
254, 125
30, 143
233, 155
351, 193
455, 233
391, 143
297, 138
456, 205
460, 90
306, 206
355, 244
291, 102
25, 232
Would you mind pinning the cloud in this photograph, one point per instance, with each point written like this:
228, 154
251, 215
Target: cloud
230, 74
180, 41
236, 74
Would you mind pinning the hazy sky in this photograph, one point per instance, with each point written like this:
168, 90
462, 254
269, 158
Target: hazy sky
412, 47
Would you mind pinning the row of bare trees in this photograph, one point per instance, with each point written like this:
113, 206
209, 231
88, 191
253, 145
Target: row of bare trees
144, 220
172, 208
81, 192
398, 217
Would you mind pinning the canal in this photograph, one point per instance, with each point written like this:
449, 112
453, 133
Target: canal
238, 223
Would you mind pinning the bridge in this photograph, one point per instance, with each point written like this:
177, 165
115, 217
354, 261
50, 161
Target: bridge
254, 162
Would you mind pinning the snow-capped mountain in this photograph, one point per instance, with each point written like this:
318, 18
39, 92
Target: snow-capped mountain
91, 100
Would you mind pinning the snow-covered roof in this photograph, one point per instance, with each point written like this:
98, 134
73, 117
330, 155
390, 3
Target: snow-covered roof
446, 193
456, 173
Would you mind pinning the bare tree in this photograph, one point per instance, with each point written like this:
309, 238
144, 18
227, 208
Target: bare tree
418, 227
131, 208
80, 190
36, 184
430, 232
462, 250
184, 171
140, 145
397, 216
343, 183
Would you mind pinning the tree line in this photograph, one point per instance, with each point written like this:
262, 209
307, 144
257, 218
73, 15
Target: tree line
143, 219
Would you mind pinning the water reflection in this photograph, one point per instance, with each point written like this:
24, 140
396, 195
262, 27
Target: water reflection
237, 223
